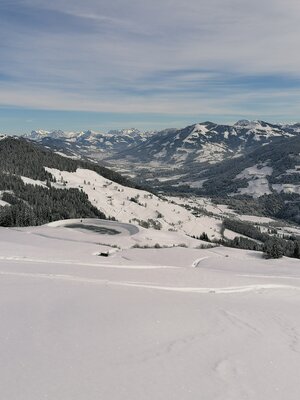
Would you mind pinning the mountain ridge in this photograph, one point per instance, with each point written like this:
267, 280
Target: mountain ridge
205, 142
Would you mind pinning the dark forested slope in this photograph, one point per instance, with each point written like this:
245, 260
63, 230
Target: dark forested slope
32, 204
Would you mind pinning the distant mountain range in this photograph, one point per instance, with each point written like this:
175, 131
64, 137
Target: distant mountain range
263, 180
89, 143
207, 143
189, 158
202, 143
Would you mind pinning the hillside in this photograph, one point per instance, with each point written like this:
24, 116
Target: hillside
170, 323
39, 186
184, 159
275, 167
28, 192
268, 178
23, 157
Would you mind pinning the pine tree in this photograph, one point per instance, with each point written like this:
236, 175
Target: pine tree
273, 248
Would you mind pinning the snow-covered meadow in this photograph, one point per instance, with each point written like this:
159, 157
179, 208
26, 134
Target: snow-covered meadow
168, 323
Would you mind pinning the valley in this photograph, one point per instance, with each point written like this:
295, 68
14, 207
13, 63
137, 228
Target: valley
187, 157
149, 279
149, 200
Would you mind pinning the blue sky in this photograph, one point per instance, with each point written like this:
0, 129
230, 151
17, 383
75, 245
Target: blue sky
98, 64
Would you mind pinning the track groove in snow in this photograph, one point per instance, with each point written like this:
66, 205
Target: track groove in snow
197, 262
201, 290
77, 326
269, 276
81, 263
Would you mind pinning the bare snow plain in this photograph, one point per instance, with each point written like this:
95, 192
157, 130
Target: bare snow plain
144, 323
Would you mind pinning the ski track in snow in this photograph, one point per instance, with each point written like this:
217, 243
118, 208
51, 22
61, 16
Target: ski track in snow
201, 290
268, 276
18, 259
198, 261
215, 324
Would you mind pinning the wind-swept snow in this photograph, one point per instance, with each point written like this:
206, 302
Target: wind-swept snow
144, 324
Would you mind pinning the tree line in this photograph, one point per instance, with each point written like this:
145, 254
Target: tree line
31, 205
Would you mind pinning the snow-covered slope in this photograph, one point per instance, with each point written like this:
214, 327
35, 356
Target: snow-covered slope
144, 324
136, 206
259, 185
189, 151
268, 169
261, 130
257, 181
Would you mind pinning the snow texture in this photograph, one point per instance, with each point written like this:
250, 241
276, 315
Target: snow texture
144, 324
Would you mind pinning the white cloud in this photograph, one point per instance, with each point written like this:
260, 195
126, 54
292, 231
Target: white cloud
181, 105
124, 48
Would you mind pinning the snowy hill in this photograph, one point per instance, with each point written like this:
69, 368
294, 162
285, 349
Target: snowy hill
39, 186
206, 159
114, 303
27, 191
136, 206
275, 166
142, 324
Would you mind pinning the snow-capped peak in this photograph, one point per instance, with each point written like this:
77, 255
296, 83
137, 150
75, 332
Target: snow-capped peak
40, 134
200, 128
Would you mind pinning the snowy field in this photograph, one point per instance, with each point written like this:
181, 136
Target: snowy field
144, 324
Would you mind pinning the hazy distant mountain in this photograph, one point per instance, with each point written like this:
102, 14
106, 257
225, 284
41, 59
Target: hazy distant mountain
202, 143
252, 158
89, 143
